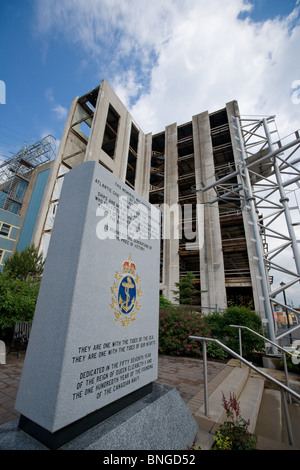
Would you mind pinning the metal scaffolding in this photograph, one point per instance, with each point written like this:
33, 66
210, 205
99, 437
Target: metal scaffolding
265, 173
19, 168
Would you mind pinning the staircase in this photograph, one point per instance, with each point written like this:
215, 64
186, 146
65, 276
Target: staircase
259, 401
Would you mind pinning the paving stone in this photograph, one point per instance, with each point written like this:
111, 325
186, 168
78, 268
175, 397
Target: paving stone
185, 374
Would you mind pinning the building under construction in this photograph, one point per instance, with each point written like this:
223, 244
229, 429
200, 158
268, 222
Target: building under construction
210, 165
23, 178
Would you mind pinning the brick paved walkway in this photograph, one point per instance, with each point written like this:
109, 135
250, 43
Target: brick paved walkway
10, 374
183, 373
186, 374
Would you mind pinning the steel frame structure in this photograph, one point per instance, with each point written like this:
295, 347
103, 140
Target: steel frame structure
21, 165
263, 176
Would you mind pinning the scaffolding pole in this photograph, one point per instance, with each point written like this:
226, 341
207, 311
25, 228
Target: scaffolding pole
258, 242
20, 167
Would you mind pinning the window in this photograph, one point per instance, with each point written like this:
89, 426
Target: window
3, 196
4, 230
111, 131
20, 190
132, 156
1, 254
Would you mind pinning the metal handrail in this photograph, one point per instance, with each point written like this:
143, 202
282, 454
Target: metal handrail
240, 327
283, 387
262, 337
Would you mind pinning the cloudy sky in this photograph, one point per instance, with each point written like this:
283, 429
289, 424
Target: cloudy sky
166, 59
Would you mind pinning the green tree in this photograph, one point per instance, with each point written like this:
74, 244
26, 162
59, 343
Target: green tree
220, 322
25, 264
19, 288
186, 289
163, 302
17, 301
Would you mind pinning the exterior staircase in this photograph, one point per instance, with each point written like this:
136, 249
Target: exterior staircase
259, 401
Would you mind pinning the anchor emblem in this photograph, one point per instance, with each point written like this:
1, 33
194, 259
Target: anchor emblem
127, 287
126, 292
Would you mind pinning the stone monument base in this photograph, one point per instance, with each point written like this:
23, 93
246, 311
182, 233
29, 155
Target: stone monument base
57, 439
158, 421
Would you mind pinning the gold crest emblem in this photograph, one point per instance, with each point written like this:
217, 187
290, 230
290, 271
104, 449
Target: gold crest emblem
126, 293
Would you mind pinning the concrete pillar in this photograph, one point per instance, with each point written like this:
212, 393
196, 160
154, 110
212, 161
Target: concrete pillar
39, 228
94, 150
142, 181
121, 157
171, 244
212, 275
118, 163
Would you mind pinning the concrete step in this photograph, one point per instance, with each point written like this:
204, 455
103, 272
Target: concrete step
271, 427
264, 443
204, 440
261, 405
234, 384
250, 401
269, 422
294, 413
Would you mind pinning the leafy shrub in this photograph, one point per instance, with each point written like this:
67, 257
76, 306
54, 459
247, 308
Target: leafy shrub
178, 323
17, 301
233, 434
219, 324
215, 351
175, 327
222, 442
19, 288
290, 362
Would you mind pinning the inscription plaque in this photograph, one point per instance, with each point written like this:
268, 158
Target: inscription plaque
94, 337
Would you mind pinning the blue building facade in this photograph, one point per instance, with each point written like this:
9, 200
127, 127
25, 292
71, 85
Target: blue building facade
33, 210
9, 229
18, 219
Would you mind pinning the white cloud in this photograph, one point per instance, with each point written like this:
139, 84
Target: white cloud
132, 25
60, 111
127, 86
214, 58
173, 59
169, 60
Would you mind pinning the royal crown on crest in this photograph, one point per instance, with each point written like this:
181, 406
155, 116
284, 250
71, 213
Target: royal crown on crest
129, 267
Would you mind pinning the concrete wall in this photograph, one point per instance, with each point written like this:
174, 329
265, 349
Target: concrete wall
118, 164
212, 276
76, 147
171, 243
69, 144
